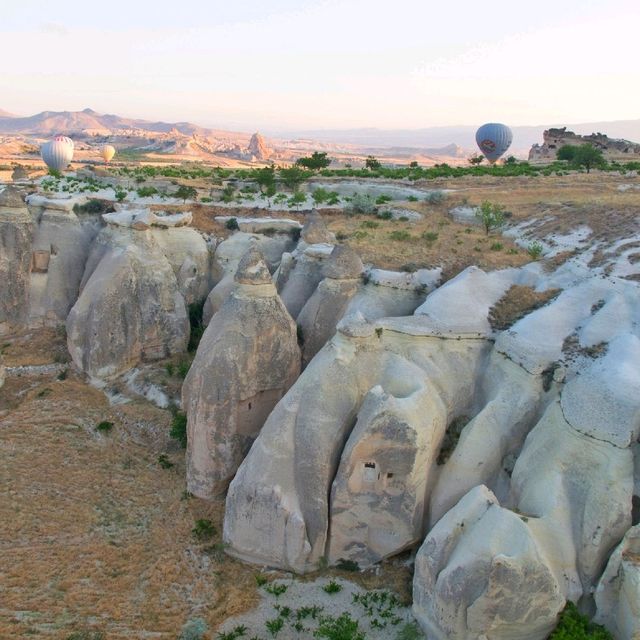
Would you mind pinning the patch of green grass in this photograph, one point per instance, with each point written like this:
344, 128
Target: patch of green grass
260, 579
274, 626
410, 631
344, 627
104, 427
496, 246
429, 236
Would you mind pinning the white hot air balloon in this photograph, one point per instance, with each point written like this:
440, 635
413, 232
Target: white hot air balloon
107, 152
57, 153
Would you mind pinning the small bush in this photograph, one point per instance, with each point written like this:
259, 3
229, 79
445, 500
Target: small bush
274, 626
332, 587
342, 628
400, 235
435, 197
179, 428
104, 426
183, 369
193, 630
276, 589
385, 215
492, 216
260, 579
347, 565
370, 224
164, 461
410, 631
575, 626
429, 236
412, 199
496, 246
196, 324
361, 204
203, 529
383, 199
146, 192
534, 250
232, 224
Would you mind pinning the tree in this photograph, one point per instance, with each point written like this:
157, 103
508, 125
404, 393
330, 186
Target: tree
186, 193
491, 215
266, 178
414, 164
588, 156
476, 160
567, 152
511, 160
292, 177
297, 199
372, 163
317, 160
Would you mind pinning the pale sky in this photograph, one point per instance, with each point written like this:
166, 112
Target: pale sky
295, 64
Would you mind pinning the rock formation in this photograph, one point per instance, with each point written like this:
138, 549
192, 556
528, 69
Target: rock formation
227, 257
258, 148
300, 272
134, 294
618, 592
480, 573
319, 317
521, 508
247, 360
16, 232
554, 139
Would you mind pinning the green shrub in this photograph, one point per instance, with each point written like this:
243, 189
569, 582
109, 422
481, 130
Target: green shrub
342, 628
320, 195
400, 235
347, 565
410, 631
203, 529
385, 215
276, 589
534, 250
383, 199
332, 587
185, 193
496, 246
435, 197
146, 192
104, 426
490, 215
196, 324
179, 428
260, 579
232, 224
164, 461
274, 626
574, 626
361, 204
429, 236
370, 224
193, 630
94, 207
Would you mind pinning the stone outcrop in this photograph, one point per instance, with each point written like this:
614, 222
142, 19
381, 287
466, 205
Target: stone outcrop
481, 574
320, 315
134, 293
521, 508
302, 270
130, 309
227, 257
618, 592
554, 139
258, 148
16, 234
246, 361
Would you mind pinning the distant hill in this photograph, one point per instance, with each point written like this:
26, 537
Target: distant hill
89, 122
6, 114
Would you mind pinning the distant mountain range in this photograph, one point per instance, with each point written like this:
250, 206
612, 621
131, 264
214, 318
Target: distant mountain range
450, 140
89, 121
463, 135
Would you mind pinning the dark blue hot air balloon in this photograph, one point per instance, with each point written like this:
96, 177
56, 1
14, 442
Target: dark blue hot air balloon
493, 140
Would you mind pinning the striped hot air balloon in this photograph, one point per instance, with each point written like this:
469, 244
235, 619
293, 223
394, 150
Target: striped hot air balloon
57, 153
493, 139
107, 152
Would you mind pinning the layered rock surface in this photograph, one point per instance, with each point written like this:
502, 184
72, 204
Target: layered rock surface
247, 359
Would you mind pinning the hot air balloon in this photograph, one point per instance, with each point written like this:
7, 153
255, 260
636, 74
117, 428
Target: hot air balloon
57, 153
107, 152
493, 139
